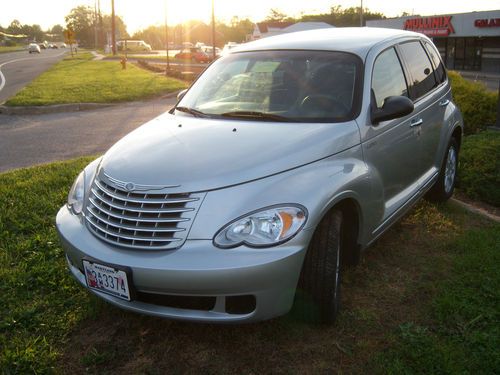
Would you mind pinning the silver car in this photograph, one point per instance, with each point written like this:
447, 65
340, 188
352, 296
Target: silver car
282, 162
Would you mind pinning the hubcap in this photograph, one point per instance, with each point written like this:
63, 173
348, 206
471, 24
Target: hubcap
450, 170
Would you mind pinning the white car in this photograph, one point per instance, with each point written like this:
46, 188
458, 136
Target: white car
33, 47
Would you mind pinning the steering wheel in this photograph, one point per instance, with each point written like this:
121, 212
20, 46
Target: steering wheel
324, 104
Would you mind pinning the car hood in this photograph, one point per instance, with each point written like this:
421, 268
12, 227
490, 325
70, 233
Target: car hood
197, 154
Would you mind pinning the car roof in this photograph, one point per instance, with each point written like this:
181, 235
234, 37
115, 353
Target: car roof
357, 40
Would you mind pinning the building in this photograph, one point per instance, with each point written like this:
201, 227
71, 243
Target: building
466, 41
265, 29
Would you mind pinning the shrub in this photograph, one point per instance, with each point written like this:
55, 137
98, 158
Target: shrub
479, 172
478, 105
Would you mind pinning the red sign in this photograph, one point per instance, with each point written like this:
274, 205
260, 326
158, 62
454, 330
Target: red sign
493, 22
431, 26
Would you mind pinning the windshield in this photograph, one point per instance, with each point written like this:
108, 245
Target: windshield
306, 86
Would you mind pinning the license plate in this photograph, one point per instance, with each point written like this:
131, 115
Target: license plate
106, 279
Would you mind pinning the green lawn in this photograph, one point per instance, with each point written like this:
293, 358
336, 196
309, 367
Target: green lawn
78, 79
11, 49
423, 300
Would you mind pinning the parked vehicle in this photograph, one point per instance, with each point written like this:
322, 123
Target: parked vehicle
194, 54
209, 51
281, 163
53, 46
133, 46
228, 47
33, 48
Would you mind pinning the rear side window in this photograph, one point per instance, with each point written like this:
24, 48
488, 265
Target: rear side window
439, 70
421, 71
388, 78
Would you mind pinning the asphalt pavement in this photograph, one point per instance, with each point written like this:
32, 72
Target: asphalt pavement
17, 69
36, 139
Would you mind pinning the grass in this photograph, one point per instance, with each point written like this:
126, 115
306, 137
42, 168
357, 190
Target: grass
424, 299
4, 49
79, 79
479, 172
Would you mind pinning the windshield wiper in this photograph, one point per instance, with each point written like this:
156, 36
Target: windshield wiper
191, 111
257, 115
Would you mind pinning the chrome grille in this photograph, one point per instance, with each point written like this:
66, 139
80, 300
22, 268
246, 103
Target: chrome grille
137, 219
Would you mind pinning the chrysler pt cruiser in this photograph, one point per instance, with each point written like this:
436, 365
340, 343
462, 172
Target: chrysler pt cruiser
285, 160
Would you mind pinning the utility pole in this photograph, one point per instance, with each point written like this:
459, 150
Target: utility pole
166, 38
113, 26
213, 31
95, 25
101, 28
361, 15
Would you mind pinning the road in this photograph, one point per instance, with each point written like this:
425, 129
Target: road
35, 139
17, 69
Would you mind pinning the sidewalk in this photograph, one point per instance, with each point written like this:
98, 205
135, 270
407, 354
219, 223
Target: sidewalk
97, 56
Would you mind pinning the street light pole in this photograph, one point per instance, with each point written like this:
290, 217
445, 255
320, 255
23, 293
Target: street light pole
166, 38
113, 26
213, 31
361, 15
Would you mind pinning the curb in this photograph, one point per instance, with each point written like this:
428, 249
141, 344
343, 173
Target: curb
74, 107
476, 210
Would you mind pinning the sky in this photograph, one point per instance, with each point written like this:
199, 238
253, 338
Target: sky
139, 14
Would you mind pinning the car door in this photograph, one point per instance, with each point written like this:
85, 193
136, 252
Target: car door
391, 147
430, 100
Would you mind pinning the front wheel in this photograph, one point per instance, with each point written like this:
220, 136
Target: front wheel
318, 293
445, 184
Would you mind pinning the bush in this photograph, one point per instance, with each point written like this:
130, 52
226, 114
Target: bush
479, 172
478, 105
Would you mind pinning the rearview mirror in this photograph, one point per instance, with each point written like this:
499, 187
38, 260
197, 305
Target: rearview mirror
181, 94
394, 107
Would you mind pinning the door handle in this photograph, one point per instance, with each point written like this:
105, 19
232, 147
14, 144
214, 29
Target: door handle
416, 122
444, 103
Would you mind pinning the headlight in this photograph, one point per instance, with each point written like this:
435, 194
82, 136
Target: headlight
76, 194
268, 227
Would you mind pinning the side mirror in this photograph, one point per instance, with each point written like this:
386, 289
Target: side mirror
181, 94
394, 107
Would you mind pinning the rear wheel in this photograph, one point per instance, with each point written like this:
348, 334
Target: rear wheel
445, 184
318, 293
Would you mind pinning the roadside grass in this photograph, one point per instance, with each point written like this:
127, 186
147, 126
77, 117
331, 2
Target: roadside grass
79, 79
423, 300
4, 49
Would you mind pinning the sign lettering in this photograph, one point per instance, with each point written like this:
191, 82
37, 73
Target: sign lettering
492, 22
431, 26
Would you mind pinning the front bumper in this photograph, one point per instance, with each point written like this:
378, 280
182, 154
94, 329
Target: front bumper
198, 269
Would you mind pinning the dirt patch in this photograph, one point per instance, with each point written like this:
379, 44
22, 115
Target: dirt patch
394, 284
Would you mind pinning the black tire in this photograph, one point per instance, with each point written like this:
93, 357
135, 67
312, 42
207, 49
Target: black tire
443, 188
318, 292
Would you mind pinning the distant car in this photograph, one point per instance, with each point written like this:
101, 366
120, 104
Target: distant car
33, 47
194, 54
228, 46
209, 51
53, 46
42, 46
133, 45
62, 45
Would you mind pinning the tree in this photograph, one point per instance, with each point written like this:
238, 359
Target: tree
81, 21
14, 27
342, 17
57, 30
120, 27
275, 15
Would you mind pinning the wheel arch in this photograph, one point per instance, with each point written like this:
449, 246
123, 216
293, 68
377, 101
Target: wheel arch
351, 227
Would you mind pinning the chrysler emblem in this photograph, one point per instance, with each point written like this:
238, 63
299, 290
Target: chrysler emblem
130, 186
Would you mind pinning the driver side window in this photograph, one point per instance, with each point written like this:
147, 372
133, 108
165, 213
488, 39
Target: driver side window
388, 78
